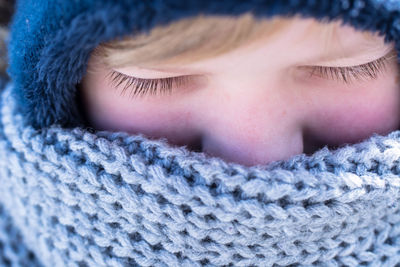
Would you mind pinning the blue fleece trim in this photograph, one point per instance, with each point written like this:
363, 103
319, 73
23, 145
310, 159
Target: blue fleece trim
3, 82
51, 40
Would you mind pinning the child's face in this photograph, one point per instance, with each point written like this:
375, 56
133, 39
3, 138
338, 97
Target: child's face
262, 102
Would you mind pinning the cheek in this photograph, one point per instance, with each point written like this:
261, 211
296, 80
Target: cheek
351, 114
106, 109
334, 114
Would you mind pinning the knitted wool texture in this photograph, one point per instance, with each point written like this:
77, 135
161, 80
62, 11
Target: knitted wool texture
113, 199
70, 196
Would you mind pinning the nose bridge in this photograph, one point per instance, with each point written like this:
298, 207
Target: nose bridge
251, 128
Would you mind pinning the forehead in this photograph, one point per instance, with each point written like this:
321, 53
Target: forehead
302, 41
330, 39
336, 34
189, 42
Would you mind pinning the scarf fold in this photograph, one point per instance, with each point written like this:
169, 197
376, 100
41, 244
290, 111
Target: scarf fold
86, 198
73, 196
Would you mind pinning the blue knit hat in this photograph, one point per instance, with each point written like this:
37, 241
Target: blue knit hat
51, 40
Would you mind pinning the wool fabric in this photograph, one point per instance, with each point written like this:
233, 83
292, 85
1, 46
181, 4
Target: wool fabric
73, 196
113, 199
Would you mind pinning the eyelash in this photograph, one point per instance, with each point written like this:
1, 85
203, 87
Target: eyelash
141, 87
367, 71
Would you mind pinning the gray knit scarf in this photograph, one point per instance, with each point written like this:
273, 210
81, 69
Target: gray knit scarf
76, 197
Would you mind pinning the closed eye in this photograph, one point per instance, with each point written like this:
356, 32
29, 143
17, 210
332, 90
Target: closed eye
368, 71
141, 87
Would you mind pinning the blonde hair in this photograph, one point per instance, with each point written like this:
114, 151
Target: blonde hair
188, 40
195, 38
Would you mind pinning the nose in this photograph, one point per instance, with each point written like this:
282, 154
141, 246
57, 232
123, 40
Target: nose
253, 150
252, 129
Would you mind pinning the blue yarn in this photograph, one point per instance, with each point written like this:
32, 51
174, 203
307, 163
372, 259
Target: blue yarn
71, 196
76, 198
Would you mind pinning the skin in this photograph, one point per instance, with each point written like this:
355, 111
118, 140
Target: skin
258, 103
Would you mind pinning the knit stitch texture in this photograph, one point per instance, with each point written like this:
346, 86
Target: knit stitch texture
113, 199
72, 196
